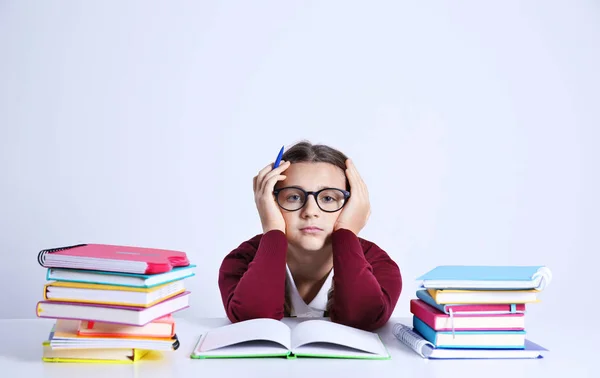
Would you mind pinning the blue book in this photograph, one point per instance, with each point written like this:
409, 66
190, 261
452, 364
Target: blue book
470, 339
480, 277
118, 278
415, 341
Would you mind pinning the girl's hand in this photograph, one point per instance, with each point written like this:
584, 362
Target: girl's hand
356, 212
268, 210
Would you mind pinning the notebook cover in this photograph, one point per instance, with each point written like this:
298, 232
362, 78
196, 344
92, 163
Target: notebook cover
483, 273
429, 316
128, 308
155, 260
456, 308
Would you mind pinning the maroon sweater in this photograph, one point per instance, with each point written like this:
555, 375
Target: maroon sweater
367, 282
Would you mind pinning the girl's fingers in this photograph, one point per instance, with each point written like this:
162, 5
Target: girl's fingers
270, 183
356, 181
268, 170
277, 171
350, 173
261, 174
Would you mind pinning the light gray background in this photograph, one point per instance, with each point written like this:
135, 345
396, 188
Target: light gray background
474, 125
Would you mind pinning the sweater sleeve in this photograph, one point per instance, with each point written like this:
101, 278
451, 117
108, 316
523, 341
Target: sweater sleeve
367, 283
252, 280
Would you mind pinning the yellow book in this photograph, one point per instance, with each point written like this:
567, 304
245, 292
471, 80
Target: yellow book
452, 296
95, 355
111, 294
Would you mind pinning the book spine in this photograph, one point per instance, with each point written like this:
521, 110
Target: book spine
427, 317
425, 297
428, 333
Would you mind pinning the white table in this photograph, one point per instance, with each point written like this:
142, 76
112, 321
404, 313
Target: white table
571, 355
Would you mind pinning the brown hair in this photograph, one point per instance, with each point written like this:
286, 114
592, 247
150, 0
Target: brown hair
302, 152
306, 152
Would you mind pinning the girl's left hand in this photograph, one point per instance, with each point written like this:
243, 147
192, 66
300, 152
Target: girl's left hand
356, 212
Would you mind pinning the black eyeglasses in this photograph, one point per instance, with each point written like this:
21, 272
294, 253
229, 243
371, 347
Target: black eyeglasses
329, 200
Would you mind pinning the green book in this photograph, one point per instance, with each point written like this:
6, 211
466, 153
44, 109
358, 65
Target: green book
273, 338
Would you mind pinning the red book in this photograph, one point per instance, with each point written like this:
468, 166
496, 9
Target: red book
440, 321
113, 258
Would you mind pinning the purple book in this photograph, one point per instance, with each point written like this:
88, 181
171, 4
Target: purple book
129, 315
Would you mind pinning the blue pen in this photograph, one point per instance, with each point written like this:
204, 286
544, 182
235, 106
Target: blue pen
278, 160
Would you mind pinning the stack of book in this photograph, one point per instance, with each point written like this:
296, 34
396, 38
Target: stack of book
478, 311
112, 303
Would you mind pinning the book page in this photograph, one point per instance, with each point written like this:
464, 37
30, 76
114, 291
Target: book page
245, 349
323, 331
250, 330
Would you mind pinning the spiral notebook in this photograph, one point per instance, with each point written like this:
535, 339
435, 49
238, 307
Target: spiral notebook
113, 258
413, 340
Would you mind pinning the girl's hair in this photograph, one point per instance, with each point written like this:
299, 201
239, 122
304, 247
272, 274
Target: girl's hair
306, 152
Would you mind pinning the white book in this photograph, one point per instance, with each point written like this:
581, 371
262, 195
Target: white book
65, 336
114, 295
273, 338
129, 315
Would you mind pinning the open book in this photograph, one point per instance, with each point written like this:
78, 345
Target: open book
273, 338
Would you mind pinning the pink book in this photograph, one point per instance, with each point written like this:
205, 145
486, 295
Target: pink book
137, 316
113, 258
487, 309
440, 321
161, 327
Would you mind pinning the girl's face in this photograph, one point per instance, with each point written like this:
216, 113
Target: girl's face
310, 228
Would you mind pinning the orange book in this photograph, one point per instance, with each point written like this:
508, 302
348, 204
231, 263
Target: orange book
161, 327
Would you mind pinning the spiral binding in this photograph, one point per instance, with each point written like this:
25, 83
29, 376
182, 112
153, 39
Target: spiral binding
410, 338
176, 343
42, 254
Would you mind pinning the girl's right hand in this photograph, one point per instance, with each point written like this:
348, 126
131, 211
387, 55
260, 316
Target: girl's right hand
268, 210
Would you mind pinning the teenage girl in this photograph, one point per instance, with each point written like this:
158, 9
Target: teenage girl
309, 260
